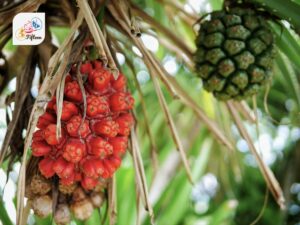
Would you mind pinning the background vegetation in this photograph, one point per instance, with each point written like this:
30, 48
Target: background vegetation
229, 187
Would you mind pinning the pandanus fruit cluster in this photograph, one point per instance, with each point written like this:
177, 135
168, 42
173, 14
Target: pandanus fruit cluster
95, 125
235, 53
70, 200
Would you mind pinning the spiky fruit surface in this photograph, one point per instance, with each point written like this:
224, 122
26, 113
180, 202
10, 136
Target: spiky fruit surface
235, 53
91, 146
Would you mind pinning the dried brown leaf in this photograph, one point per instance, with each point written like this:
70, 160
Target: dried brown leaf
112, 199
245, 111
193, 16
67, 7
163, 30
169, 167
138, 203
140, 174
267, 173
60, 88
211, 124
104, 52
177, 51
81, 85
59, 101
172, 126
139, 44
94, 29
24, 79
153, 148
5, 36
7, 14
26, 212
57, 55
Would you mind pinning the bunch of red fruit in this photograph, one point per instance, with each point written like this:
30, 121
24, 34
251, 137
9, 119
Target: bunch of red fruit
90, 149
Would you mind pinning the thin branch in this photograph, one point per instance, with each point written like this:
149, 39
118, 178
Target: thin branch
267, 173
172, 48
57, 55
88, 15
245, 110
180, 8
27, 209
137, 42
172, 126
81, 85
68, 10
7, 16
104, 52
138, 205
112, 198
164, 30
140, 174
60, 91
188, 101
153, 148
168, 169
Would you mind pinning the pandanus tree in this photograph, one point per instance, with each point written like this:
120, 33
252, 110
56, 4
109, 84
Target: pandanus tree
204, 96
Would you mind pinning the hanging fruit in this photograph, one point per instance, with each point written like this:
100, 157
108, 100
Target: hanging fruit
93, 140
90, 146
235, 53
